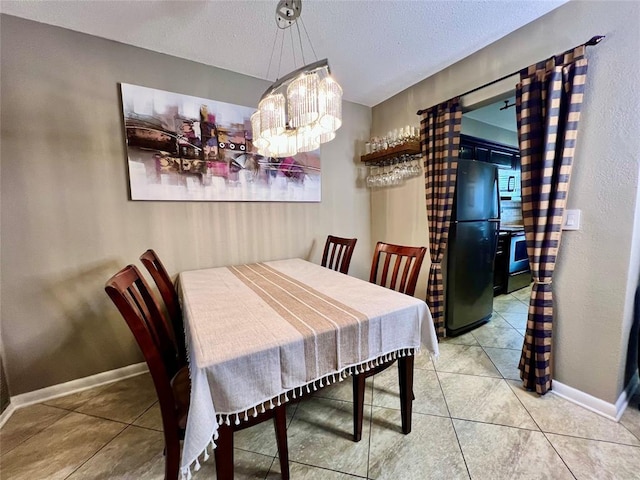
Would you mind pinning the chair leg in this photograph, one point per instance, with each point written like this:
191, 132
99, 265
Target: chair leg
172, 458
405, 373
224, 453
358, 406
280, 424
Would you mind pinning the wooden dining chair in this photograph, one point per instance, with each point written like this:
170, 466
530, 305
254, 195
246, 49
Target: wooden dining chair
132, 296
400, 269
169, 295
337, 253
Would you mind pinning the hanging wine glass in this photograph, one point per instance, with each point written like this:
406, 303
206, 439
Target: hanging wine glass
416, 168
397, 176
371, 178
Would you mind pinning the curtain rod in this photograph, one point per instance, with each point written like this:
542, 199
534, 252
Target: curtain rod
592, 41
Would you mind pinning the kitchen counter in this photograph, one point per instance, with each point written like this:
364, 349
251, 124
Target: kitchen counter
511, 228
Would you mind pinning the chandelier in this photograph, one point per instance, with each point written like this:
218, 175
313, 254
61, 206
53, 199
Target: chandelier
302, 109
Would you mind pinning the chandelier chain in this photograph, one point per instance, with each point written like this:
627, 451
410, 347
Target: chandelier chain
273, 49
309, 39
280, 61
300, 40
293, 49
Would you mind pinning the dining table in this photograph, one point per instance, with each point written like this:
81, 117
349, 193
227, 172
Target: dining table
270, 332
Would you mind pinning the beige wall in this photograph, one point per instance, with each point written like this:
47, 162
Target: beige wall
598, 266
67, 223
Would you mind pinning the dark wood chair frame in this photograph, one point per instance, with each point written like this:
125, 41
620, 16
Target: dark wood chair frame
167, 290
132, 296
337, 253
403, 263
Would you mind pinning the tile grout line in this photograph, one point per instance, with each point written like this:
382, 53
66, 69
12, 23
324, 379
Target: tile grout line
145, 411
508, 322
98, 451
455, 432
543, 433
558, 453
109, 419
591, 439
38, 432
491, 359
471, 374
327, 469
273, 461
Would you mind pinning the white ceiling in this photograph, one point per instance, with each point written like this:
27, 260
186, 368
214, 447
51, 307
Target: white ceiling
376, 48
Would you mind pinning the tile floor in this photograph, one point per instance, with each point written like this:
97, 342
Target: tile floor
471, 420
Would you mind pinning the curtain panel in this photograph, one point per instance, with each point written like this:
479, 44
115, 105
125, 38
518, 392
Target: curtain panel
440, 141
548, 103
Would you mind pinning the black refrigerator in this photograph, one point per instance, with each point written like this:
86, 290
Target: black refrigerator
471, 252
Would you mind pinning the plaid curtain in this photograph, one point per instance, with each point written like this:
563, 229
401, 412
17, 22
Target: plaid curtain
548, 102
440, 141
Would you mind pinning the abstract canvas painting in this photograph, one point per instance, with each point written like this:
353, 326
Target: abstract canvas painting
187, 148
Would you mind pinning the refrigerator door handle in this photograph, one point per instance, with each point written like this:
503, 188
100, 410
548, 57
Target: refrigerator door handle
497, 190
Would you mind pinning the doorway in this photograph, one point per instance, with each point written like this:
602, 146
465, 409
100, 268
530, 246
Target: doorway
489, 134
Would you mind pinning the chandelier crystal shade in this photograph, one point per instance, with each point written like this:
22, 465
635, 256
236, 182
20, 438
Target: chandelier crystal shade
272, 117
302, 96
300, 110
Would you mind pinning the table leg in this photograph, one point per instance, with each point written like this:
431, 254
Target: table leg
405, 373
224, 453
358, 405
280, 424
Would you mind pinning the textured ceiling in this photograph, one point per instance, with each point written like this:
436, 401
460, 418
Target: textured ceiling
375, 48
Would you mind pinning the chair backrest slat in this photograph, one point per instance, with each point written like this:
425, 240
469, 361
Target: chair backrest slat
337, 253
167, 290
408, 261
385, 272
406, 265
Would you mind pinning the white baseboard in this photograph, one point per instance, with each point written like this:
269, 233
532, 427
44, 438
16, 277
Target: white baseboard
73, 386
612, 411
6, 414
625, 396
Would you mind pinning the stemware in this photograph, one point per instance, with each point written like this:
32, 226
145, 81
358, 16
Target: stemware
371, 178
416, 168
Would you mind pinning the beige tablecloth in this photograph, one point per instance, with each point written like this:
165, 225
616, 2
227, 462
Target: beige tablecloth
262, 333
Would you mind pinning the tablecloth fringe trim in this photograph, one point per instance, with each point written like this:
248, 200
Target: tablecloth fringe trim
297, 392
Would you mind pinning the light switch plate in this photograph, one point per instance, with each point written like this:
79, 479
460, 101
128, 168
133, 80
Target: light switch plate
571, 219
